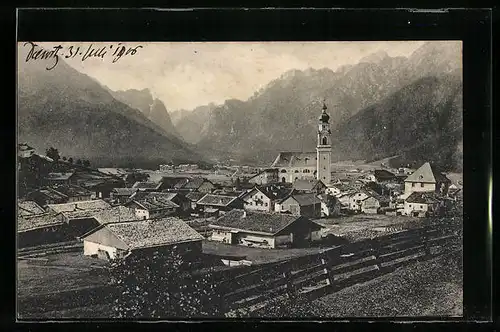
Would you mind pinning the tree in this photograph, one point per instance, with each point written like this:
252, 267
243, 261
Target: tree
70, 160
79, 162
64, 158
163, 285
136, 177
86, 163
52, 153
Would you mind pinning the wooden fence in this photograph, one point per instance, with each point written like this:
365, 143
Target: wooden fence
248, 290
310, 277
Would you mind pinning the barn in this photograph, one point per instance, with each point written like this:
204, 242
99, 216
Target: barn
143, 237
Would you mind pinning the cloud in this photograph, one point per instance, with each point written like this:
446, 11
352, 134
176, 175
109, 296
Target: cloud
186, 75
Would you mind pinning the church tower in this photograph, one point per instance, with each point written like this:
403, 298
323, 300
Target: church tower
324, 148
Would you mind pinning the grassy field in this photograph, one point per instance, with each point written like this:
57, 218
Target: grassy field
432, 288
54, 273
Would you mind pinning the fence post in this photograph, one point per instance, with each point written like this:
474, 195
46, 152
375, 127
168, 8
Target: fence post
325, 261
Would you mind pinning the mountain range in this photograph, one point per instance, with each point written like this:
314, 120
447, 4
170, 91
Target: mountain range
74, 113
382, 106
282, 116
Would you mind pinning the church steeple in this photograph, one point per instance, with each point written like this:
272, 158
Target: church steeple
324, 148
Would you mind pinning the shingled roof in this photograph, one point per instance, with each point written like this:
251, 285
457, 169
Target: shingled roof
28, 208
152, 233
306, 199
59, 176
272, 191
115, 214
306, 185
146, 185
295, 159
269, 223
71, 190
423, 198
217, 200
195, 196
427, 174
28, 223
97, 204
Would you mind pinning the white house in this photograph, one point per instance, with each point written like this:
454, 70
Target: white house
426, 179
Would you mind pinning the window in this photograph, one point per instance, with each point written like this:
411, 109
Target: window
324, 141
296, 171
421, 206
422, 185
413, 184
409, 205
283, 171
265, 204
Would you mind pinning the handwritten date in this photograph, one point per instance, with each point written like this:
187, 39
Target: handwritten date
113, 51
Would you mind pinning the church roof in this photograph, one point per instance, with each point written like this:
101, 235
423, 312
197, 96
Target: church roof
426, 174
295, 159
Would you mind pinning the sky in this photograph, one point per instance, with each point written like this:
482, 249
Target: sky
185, 75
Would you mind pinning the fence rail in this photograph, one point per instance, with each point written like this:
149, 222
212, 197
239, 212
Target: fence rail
314, 276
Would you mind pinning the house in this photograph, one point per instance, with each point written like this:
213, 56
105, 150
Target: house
264, 230
138, 239
28, 208
24, 150
426, 179
73, 193
177, 198
122, 195
309, 186
101, 188
355, 200
116, 172
147, 186
186, 184
383, 176
264, 197
269, 175
308, 205
198, 184
330, 205
40, 229
60, 178
152, 207
45, 196
370, 205
422, 204
194, 197
213, 205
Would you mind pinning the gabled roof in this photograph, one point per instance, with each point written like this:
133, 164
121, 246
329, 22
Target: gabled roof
124, 191
295, 159
305, 199
71, 190
24, 147
115, 214
151, 233
146, 185
155, 203
97, 204
28, 208
271, 191
48, 193
191, 183
172, 181
195, 196
426, 174
113, 171
217, 200
423, 198
59, 176
307, 185
382, 174
28, 223
269, 223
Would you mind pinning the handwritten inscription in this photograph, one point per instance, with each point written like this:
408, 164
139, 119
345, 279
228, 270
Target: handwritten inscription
113, 51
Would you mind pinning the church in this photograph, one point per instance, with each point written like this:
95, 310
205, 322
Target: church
308, 165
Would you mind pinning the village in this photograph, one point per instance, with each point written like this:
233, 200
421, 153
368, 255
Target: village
228, 215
